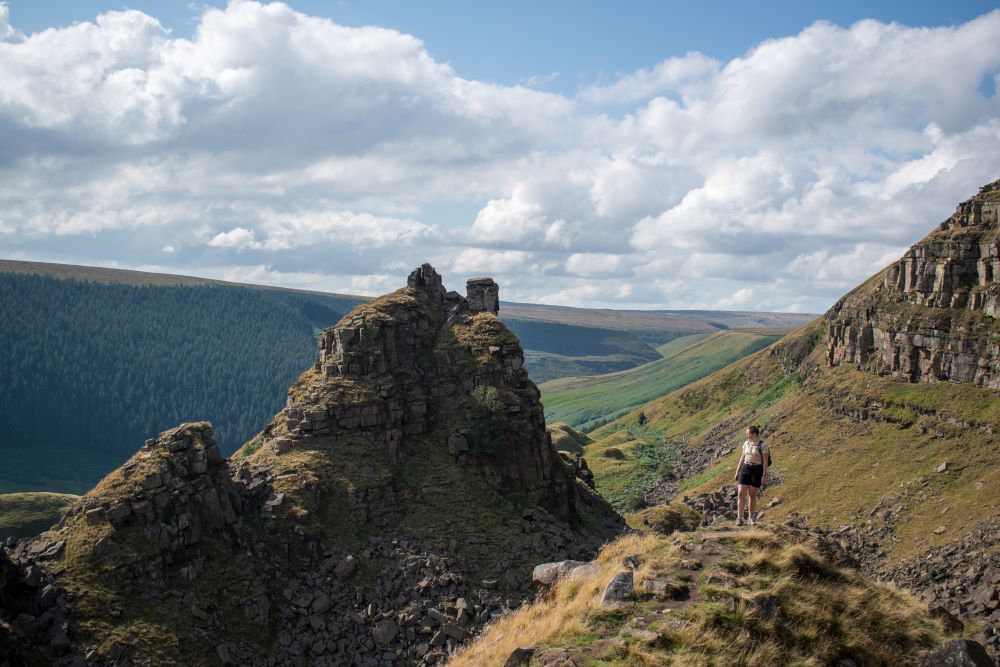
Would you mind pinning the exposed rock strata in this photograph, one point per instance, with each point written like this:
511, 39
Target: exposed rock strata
392, 509
932, 315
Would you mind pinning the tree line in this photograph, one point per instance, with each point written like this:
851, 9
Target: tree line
93, 369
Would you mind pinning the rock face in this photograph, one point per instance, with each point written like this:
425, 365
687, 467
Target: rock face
402, 366
393, 508
33, 621
483, 295
931, 316
958, 653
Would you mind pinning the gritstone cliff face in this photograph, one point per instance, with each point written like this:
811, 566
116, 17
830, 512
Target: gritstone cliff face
933, 314
395, 506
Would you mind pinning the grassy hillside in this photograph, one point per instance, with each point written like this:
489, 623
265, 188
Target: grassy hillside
843, 440
28, 514
588, 402
565, 438
737, 598
92, 368
554, 350
680, 344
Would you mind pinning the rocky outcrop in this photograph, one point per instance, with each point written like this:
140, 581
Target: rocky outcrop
33, 623
483, 295
958, 581
392, 509
421, 359
932, 315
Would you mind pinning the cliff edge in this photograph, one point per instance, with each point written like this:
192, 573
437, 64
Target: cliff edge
932, 315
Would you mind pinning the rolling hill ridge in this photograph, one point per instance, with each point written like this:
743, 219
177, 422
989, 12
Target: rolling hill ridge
97, 358
883, 418
589, 402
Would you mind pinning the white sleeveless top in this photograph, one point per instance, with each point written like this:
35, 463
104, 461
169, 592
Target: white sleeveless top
750, 454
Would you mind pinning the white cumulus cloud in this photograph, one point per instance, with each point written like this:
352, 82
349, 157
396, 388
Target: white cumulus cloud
282, 147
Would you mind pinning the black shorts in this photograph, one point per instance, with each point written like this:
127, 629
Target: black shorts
751, 475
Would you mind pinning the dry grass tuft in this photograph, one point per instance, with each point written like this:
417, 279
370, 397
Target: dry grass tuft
760, 601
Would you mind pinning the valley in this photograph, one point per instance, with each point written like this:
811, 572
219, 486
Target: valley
413, 464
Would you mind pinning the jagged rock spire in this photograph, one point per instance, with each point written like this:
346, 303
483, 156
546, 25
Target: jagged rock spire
483, 295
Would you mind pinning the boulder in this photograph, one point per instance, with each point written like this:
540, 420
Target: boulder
384, 632
620, 590
520, 657
548, 574
957, 653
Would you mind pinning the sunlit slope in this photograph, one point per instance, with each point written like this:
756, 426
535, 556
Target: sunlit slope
587, 402
712, 598
843, 439
28, 514
555, 349
680, 344
565, 438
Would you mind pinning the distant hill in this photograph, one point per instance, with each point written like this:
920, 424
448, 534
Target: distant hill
650, 325
98, 358
555, 350
98, 274
589, 402
91, 367
561, 342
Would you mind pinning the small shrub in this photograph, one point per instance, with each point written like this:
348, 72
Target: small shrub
489, 421
252, 446
614, 453
369, 331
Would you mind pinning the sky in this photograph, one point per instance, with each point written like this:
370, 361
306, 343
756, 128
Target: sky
719, 155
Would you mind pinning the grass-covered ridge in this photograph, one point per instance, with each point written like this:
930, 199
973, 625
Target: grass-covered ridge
844, 440
28, 514
565, 438
555, 349
721, 598
588, 402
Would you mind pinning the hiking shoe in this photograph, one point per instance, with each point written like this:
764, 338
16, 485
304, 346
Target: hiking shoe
739, 522
752, 521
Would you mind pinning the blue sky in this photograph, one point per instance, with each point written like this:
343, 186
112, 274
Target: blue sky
584, 42
755, 156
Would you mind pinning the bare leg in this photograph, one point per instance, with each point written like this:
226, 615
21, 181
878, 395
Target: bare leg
741, 501
753, 502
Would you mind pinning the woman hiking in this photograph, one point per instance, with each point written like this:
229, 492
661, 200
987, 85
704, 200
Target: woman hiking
751, 473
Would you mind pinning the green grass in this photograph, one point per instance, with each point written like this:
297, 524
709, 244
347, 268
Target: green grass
680, 344
833, 464
588, 402
28, 514
648, 456
565, 438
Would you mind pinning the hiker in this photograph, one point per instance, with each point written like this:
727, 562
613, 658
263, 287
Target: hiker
751, 473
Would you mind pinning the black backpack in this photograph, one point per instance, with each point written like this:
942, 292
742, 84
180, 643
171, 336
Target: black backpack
760, 450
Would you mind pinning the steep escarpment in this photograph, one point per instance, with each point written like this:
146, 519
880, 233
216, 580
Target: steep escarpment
389, 511
932, 315
896, 460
